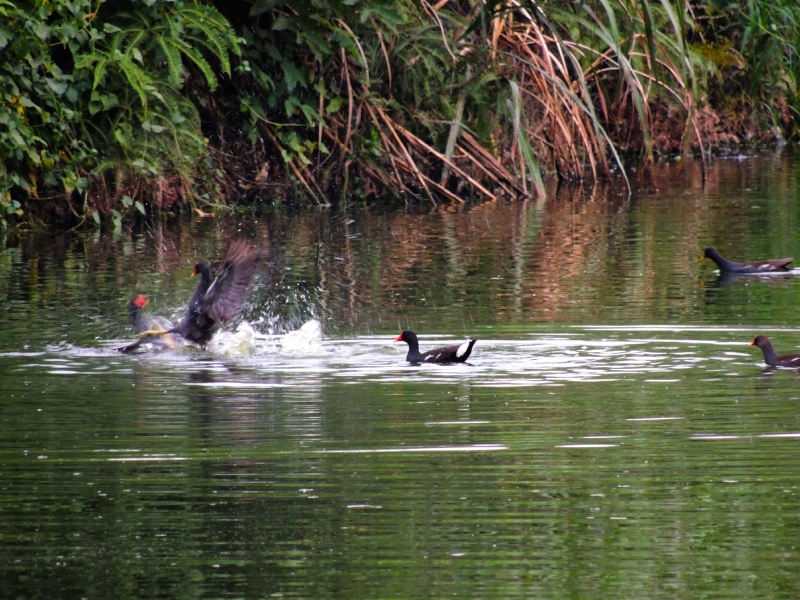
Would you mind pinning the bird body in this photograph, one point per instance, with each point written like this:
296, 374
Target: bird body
142, 324
216, 304
758, 266
771, 357
445, 354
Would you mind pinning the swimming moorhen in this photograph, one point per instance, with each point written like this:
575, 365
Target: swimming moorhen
758, 266
771, 357
216, 304
446, 354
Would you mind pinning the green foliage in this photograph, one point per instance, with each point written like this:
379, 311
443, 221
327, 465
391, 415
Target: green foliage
97, 89
111, 98
38, 145
757, 43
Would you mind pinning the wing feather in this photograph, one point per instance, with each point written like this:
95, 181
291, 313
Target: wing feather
225, 297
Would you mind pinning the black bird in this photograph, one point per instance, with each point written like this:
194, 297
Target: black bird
771, 357
214, 305
758, 266
446, 354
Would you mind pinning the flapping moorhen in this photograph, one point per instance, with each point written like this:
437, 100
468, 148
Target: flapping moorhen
757, 266
214, 305
446, 354
771, 357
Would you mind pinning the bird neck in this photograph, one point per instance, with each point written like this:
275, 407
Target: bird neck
136, 318
413, 350
723, 263
202, 288
770, 356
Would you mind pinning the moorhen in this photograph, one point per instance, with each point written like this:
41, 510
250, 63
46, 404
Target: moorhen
143, 323
771, 357
446, 354
216, 304
758, 266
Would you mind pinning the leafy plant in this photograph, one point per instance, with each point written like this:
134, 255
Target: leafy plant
99, 90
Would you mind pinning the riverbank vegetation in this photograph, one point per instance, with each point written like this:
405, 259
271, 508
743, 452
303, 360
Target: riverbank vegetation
114, 107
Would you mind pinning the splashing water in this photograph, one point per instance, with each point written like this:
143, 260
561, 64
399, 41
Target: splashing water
306, 340
246, 341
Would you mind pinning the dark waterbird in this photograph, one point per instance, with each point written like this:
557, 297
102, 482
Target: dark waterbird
142, 323
771, 357
446, 354
215, 304
757, 266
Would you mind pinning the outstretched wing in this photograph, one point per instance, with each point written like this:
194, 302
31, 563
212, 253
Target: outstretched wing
224, 299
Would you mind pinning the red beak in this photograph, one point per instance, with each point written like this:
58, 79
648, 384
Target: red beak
399, 338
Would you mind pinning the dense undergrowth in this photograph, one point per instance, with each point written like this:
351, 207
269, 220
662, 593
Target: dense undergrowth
116, 106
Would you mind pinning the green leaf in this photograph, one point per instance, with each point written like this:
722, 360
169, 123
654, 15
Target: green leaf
334, 105
282, 23
292, 76
57, 86
150, 126
5, 37
262, 6
42, 31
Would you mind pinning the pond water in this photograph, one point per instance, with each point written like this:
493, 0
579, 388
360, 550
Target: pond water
612, 436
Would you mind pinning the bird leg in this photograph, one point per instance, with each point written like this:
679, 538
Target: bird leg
154, 332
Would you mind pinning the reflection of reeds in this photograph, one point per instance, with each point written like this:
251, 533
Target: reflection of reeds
583, 252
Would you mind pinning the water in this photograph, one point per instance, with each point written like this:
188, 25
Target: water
613, 435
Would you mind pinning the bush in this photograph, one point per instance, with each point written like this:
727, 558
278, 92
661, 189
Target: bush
105, 96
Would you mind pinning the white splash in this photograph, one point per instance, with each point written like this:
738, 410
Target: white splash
240, 342
306, 340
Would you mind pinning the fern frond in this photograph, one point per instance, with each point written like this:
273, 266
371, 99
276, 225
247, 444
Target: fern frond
222, 25
99, 71
172, 56
213, 31
215, 44
135, 37
194, 55
136, 77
